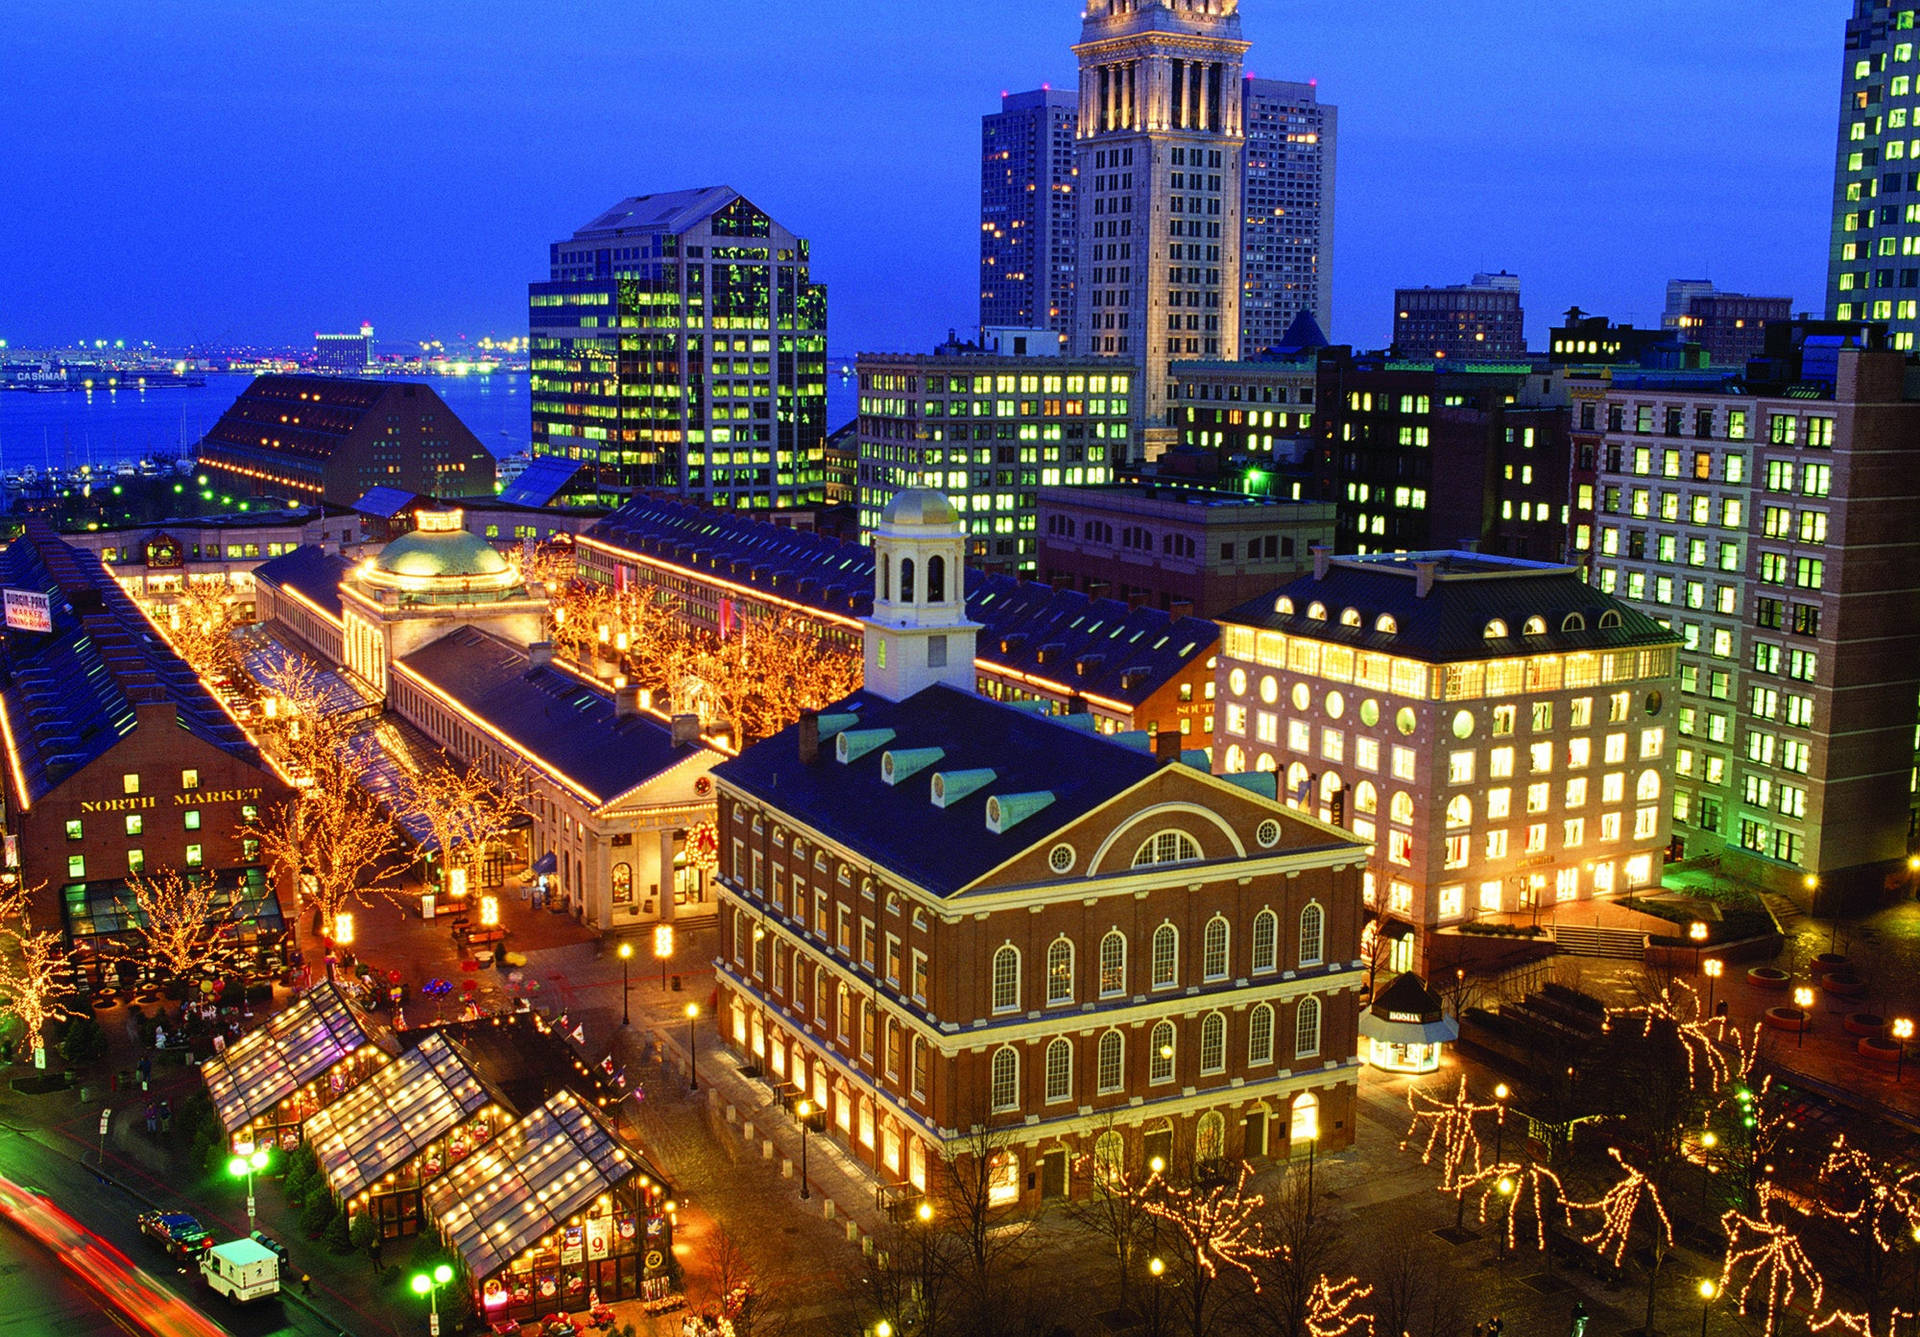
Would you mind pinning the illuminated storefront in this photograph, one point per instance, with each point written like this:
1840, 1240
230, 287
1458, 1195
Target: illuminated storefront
1407, 1027
271, 1080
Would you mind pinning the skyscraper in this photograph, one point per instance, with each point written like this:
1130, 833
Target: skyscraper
1872, 269
1286, 249
1027, 213
679, 344
1161, 142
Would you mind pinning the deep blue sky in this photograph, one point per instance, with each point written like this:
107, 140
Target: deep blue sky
237, 170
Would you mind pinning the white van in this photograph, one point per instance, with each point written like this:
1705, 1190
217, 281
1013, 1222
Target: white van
241, 1270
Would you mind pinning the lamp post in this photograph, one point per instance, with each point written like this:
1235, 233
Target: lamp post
1313, 1145
1902, 1032
804, 1112
1506, 1186
1697, 933
1708, 1141
1500, 1094
242, 1167
1707, 1291
626, 955
693, 1056
429, 1286
1803, 999
1712, 968
662, 949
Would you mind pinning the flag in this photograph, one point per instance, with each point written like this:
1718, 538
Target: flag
726, 618
606, 1065
579, 1034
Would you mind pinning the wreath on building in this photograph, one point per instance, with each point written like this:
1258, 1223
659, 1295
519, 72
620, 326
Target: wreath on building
703, 847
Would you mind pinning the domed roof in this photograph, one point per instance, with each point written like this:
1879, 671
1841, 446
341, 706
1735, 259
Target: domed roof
920, 506
447, 555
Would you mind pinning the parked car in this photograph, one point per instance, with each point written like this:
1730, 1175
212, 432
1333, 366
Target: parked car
179, 1233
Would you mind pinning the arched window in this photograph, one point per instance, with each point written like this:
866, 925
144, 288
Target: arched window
1350, 617
1496, 630
1573, 622
1385, 624
1166, 957
1459, 811
1213, 949
936, 579
1236, 759
1401, 808
1610, 619
1059, 972
1160, 1061
1283, 605
1304, 1122
1306, 1028
1366, 798
906, 580
1313, 926
1004, 1086
1534, 626
1317, 611
1266, 937
1110, 1075
1260, 1034
1109, 1156
1210, 1138
622, 883
1213, 1044
922, 1066
1006, 979
740, 933
1059, 1071
1298, 784
1167, 847
1648, 787
886, 576
1113, 964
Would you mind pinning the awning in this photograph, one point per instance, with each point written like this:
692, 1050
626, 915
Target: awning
547, 864
1408, 1032
1393, 929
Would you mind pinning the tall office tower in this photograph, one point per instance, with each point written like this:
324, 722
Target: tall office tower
1161, 142
1286, 246
1872, 269
680, 345
1479, 321
1029, 212
1679, 293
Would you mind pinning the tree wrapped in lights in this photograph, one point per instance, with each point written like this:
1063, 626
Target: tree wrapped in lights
1862, 1324
182, 925
1710, 1061
550, 563
1764, 1255
31, 969
1114, 1209
466, 807
1216, 1235
1632, 1202
1452, 1137
1330, 1309
1532, 1189
201, 623
1877, 1210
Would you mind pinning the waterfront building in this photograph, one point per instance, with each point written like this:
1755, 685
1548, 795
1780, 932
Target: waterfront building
120, 761
1286, 250
967, 931
1029, 211
988, 430
1479, 321
1872, 269
1764, 516
1160, 179
350, 354
1500, 732
679, 344
327, 439
1188, 549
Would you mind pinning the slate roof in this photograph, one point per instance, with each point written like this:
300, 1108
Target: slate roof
666, 211
558, 723
70, 694
544, 480
897, 826
328, 409
310, 571
1449, 624
1096, 646
384, 503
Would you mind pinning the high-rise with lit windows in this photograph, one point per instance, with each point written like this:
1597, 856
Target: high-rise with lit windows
679, 345
1286, 250
1028, 214
1161, 141
1767, 519
1873, 263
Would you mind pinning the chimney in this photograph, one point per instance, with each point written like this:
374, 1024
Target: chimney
809, 737
626, 702
1423, 578
1178, 609
1322, 561
540, 654
686, 729
1166, 746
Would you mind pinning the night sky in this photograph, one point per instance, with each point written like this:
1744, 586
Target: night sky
239, 171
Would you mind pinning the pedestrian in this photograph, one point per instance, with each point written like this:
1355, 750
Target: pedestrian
146, 1070
166, 1116
153, 1116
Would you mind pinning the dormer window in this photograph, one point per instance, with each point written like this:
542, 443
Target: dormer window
1573, 622
1350, 617
1283, 604
1609, 619
1317, 611
1385, 625
1535, 626
1496, 630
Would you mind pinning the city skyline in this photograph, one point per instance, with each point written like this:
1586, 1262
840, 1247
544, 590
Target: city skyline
258, 177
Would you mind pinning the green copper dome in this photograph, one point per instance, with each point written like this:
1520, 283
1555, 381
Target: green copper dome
447, 555
919, 506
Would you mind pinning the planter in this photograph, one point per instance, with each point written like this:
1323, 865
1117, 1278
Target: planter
1865, 1023
1877, 1049
105, 1000
1768, 977
1843, 984
1825, 962
1786, 1019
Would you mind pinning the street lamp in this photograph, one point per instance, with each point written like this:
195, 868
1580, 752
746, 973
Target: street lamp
1313, 1144
1707, 1291
1903, 1032
693, 1057
662, 949
883, 1329
1803, 999
242, 1167
1505, 1185
1708, 1141
804, 1112
1713, 967
626, 955
429, 1286
1500, 1094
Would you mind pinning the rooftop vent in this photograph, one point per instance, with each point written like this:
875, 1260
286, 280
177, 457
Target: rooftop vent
949, 787
833, 724
1264, 783
856, 743
897, 765
1006, 811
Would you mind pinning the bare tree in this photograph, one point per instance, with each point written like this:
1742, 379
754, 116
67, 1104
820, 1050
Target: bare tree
183, 925
466, 807
990, 1228
1301, 1247
1114, 1211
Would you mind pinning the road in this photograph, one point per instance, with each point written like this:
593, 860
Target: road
38, 1295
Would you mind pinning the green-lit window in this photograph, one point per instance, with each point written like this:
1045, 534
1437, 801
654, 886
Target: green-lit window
193, 819
193, 856
135, 823
136, 861
73, 829
77, 867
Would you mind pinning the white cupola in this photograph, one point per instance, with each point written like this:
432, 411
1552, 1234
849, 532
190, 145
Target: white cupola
919, 634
